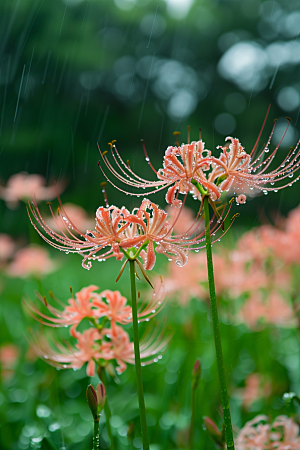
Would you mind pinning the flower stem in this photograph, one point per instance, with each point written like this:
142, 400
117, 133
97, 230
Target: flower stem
216, 328
96, 443
104, 380
192, 427
144, 430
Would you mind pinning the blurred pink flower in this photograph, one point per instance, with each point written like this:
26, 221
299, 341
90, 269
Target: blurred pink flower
184, 222
23, 186
284, 243
32, 260
272, 309
255, 388
184, 283
258, 434
9, 354
7, 247
76, 214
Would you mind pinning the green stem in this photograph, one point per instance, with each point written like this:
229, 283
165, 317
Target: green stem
107, 410
96, 442
216, 328
192, 427
138, 368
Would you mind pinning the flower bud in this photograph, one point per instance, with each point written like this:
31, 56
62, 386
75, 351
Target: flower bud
216, 435
196, 372
101, 396
91, 397
96, 399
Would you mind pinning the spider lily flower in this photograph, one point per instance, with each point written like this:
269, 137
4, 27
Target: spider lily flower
240, 171
89, 304
282, 434
190, 164
141, 233
181, 165
94, 346
77, 309
109, 232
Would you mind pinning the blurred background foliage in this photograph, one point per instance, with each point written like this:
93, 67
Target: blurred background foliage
74, 73
77, 72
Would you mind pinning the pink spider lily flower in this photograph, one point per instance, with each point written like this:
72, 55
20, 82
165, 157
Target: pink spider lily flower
143, 232
92, 348
109, 232
23, 186
257, 434
114, 307
241, 171
181, 165
112, 304
89, 304
75, 213
188, 164
78, 308
86, 350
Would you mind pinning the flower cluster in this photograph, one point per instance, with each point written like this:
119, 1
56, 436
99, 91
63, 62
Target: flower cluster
188, 165
105, 340
143, 232
258, 434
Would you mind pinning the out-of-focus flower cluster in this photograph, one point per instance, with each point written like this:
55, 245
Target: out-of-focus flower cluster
23, 187
258, 434
104, 340
31, 260
259, 271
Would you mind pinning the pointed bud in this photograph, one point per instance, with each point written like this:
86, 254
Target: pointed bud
101, 396
216, 435
91, 397
196, 373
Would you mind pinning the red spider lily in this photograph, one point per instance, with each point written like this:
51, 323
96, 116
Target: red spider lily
181, 165
141, 232
92, 347
91, 305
